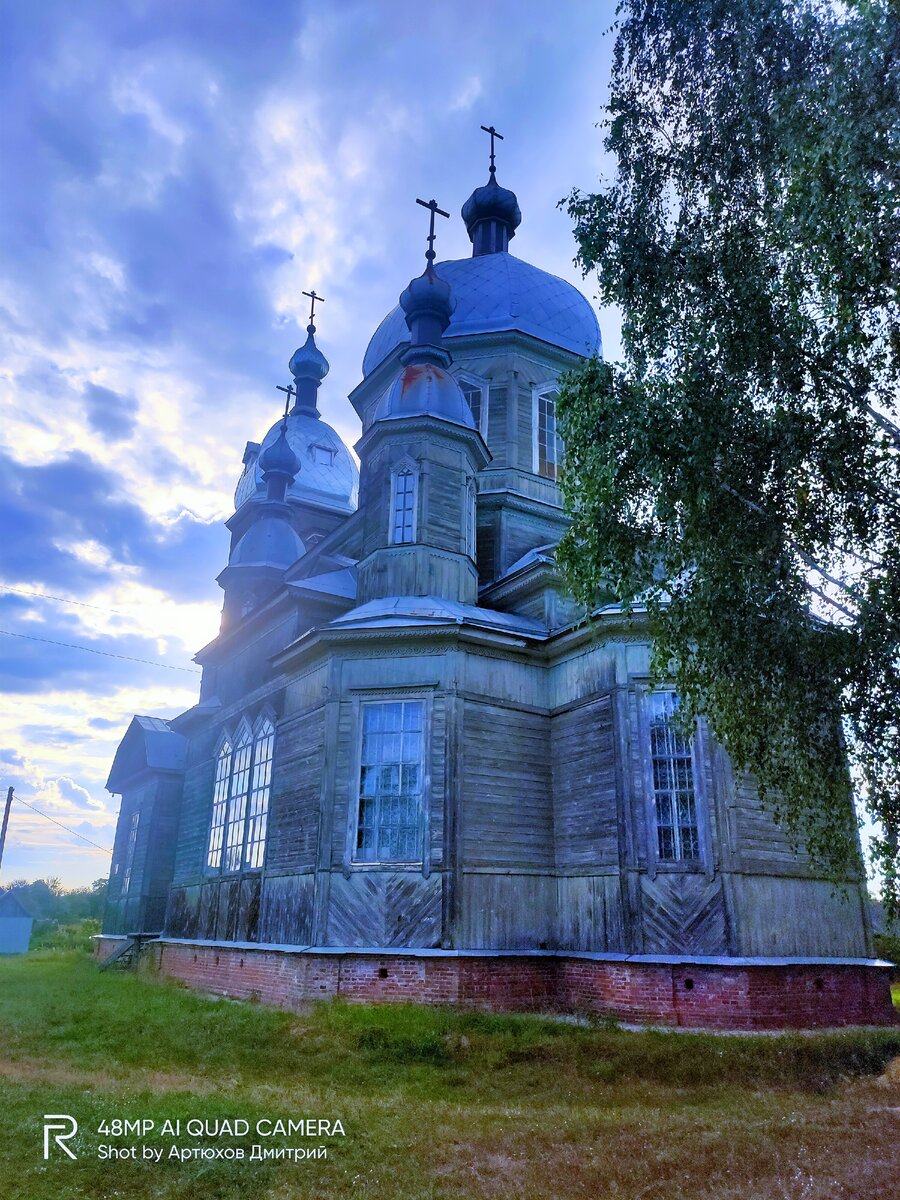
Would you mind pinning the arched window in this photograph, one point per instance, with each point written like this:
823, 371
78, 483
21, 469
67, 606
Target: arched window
240, 809
258, 811
404, 486
237, 801
548, 447
674, 794
220, 808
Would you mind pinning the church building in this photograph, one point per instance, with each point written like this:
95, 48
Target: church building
416, 768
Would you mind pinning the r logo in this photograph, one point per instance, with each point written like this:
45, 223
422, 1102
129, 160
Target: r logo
69, 1128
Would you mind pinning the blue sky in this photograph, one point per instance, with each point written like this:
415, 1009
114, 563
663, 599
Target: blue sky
176, 174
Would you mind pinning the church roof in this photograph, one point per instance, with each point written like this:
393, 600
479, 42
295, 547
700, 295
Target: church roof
411, 611
149, 744
328, 476
495, 293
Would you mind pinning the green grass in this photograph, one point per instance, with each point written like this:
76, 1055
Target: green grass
436, 1103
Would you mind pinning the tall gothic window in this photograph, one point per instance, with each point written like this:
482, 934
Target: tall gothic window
237, 831
129, 851
548, 445
391, 782
674, 795
470, 518
403, 506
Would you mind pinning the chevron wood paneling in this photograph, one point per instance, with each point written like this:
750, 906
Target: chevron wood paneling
683, 914
384, 909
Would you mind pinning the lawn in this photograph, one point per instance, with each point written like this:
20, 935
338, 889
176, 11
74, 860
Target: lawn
433, 1103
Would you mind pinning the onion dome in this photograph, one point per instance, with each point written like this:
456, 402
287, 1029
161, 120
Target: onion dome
423, 386
492, 216
279, 464
428, 305
424, 389
271, 541
309, 366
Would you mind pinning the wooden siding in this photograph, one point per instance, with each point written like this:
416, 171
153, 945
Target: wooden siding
586, 814
507, 818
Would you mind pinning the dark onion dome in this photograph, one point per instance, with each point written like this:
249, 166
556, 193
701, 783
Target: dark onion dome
424, 389
492, 216
497, 293
428, 304
278, 458
309, 362
271, 541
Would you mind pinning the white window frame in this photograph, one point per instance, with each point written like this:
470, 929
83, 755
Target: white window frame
238, 830
537, 394
700, 862
466, 379
406, 469
420, 858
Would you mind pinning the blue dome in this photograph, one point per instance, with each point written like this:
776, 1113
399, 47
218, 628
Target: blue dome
328, 477
271, 541
497, 292
424, 389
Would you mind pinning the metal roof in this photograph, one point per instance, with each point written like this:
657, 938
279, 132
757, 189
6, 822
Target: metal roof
497, 292
328, 476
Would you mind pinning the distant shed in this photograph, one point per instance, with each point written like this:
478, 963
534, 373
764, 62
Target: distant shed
15, 925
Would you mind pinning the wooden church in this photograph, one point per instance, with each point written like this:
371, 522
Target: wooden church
416, 768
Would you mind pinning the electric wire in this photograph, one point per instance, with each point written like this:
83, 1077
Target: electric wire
74, 832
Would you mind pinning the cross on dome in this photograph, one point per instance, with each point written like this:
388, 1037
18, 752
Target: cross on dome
494, 134
313, 297
432, 207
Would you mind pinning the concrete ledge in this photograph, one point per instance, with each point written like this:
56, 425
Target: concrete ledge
668, 990
587, 955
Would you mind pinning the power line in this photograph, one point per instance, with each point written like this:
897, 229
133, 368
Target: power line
91, 650
62, 599
74, 832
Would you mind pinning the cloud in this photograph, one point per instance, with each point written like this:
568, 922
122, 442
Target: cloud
177, 175
110, 414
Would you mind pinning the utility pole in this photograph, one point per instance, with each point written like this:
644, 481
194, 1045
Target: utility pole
9, 796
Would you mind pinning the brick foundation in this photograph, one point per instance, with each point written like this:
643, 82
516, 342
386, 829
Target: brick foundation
690, 993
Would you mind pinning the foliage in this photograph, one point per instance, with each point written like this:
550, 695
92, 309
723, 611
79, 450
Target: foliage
737, 473
75, 935
64, 919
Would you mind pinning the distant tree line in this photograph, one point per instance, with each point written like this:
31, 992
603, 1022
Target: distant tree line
47, 899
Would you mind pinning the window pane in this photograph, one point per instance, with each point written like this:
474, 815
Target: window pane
258, 809
220, 805
549, 444
472, 394
237, 804
673, 782
129, 852
391, 782
404, 500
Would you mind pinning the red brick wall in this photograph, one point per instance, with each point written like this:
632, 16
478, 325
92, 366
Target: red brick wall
688, 995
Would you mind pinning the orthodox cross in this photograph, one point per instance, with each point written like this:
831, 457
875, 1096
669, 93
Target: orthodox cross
432, 207
289, 394
494, 134
312, 307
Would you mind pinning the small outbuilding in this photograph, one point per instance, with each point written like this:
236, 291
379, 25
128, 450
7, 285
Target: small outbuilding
15, 925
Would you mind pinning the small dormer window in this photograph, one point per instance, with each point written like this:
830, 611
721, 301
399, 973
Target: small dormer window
322, 456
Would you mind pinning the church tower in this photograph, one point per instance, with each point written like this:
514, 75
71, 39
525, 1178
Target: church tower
420, 456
